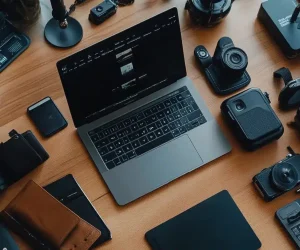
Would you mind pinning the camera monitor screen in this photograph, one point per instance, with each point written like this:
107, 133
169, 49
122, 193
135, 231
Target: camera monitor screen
123, 68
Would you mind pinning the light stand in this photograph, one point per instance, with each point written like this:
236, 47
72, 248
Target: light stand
62, 30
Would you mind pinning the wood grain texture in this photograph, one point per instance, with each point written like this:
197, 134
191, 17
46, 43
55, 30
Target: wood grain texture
33, 76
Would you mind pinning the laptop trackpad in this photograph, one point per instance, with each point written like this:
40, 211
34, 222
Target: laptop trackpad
152, 170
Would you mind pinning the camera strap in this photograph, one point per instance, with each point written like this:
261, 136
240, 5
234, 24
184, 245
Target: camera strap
285, 74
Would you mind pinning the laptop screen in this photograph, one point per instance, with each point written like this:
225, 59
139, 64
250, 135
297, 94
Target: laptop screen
123, 68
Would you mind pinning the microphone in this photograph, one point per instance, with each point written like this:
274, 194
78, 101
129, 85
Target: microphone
62, 30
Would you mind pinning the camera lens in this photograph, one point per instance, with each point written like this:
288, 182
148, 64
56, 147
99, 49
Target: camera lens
99, 9
235, 62
240, 105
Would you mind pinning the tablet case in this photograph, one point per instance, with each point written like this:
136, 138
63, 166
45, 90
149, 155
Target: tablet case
214, 224
69, 193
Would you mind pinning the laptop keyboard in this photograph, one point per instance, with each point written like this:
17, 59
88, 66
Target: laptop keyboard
147, 128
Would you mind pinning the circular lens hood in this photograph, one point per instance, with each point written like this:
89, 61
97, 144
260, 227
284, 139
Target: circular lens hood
284, 176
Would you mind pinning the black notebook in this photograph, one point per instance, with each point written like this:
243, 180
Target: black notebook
69, 193
214, 224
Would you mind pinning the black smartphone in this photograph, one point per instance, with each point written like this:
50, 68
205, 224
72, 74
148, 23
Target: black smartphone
47, 117
252, 119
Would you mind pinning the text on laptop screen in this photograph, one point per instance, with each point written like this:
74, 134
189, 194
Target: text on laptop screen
123, 68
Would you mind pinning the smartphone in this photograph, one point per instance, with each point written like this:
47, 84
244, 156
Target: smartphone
47, 117
252, 119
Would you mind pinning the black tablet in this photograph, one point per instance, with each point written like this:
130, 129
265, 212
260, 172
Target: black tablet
214, 224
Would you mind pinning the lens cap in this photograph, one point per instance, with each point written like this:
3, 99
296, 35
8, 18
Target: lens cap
284, 176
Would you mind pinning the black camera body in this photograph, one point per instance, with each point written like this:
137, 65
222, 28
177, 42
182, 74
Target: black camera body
208, 12
102, 12
279, 178
226, 70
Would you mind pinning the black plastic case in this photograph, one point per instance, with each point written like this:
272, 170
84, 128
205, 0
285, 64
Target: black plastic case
252, 119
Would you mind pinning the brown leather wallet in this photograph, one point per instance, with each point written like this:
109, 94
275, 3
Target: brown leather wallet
45, 223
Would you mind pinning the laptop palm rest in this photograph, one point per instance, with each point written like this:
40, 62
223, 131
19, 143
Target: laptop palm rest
152, 170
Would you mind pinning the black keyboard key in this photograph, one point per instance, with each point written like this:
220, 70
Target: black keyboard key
195, 123
154, 110
175, 133
111, 147
121, 125
177, 115
113, 129
134, 127
153, 118
151, 136
178, 124
131, 154
100, 135
174, 108
123, 158
172, 126
137, 134
125, 139
167, 103
179, 106
120, 134
109, 157
188, 127
143, 132
183, 112
170, 118
194, 115
182, 130
117, 161
159, 141
173, 100
164, 121
147, 112
127, 148
195, 106
106, 132
110, 165
189, 109
126, 131
158, 124
132, 137
151, 127
167, 111
103, 150
127, 123
133, 119
142, 123
184, 120
95, 138
140, 116
101, 143
179, 97
148, 121
184, 104
190, 101
202, 120
119, 143
160, 106
143, 140
186, 94
119, 151
158, 133
160, 115
136, 144
113, 138
166, 129
92, 132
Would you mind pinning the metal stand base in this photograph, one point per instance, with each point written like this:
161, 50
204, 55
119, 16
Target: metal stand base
63, 38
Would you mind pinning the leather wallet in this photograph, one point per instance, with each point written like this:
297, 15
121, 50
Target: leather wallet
18, 156
45, 223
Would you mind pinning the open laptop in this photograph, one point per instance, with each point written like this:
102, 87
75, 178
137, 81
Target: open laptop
136, 111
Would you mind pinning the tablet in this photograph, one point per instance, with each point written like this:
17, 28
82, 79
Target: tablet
214, 224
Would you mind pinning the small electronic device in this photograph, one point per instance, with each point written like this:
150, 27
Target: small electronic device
208, 12
102, 12
47, 117
12, 42
289, 96
6, 240
278, 179
226, 70
69, 193
206, 227
280, 20
252, 119
289, 218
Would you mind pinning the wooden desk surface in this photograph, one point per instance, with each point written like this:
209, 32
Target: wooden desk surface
33, 76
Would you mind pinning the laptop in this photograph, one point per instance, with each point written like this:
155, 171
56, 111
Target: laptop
138, 114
